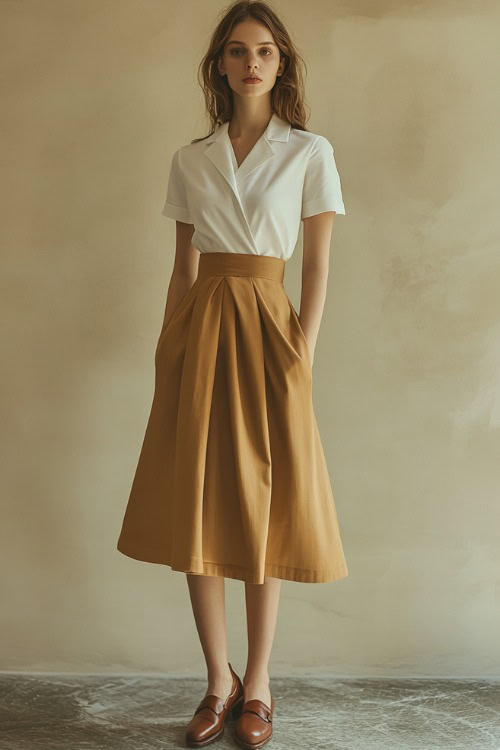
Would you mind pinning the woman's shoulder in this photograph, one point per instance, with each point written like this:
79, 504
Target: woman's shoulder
310, 139
186, 154
191, 149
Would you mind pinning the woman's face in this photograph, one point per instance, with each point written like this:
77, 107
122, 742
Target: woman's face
251, 51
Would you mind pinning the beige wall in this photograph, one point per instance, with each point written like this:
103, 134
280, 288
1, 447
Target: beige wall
97, 95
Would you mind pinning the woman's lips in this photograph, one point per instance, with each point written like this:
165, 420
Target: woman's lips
251, 80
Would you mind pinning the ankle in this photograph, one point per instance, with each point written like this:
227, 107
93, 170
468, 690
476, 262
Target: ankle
256, 678
219, 674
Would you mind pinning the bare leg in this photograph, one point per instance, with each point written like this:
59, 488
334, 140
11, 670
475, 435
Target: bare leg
208, 601
262, 602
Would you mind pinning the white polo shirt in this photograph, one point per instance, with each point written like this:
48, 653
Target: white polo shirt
257, 207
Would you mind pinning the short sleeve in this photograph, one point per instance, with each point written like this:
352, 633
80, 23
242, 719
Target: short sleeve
176, 205
322, 189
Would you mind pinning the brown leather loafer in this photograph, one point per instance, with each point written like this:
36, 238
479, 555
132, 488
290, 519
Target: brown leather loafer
254, 727
208, 720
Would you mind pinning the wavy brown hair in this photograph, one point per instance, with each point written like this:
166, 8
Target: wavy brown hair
287, 94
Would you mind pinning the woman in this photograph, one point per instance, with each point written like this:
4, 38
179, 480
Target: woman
232, 480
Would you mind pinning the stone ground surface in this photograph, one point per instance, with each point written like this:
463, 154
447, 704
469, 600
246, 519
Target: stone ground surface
99, 712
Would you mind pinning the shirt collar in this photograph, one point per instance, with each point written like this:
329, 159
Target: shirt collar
277, 130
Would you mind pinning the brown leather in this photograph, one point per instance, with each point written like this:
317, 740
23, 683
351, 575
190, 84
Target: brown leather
208, 720
254, 727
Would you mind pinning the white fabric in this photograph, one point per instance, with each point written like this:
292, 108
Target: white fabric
257, 207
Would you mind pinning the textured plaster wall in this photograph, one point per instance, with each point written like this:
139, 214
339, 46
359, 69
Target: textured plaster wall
96, 96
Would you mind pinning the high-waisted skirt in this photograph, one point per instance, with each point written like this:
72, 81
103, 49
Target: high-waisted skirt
232, 479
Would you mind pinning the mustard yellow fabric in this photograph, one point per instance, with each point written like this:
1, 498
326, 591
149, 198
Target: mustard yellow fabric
232, 479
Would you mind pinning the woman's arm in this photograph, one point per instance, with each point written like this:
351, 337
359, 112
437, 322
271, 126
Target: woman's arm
317, 235
185, 268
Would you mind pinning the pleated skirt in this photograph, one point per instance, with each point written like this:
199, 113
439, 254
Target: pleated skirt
231, 478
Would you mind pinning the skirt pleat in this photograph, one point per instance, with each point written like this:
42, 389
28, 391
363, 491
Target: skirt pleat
232, 479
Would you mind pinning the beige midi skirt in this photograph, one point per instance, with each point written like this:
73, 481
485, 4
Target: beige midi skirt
232, 479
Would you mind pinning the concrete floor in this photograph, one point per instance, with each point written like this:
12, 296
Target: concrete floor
99, 712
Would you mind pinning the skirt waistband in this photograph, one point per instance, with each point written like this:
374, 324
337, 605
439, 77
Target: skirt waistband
241, 264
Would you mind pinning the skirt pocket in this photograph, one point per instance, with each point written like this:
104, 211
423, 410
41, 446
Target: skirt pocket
295, 316
182, 304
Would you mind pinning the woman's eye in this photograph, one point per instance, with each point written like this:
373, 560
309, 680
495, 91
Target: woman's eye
236, 50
